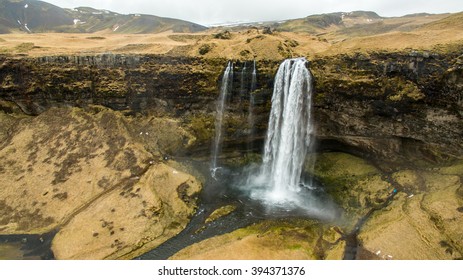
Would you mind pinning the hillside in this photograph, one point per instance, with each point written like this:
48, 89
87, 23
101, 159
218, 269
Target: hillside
357, 23
38, 17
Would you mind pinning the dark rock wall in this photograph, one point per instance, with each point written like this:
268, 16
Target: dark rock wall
404, 105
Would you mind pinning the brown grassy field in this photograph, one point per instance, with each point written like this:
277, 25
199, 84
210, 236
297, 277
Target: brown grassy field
393, 34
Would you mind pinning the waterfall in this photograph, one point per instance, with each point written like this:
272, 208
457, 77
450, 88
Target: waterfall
243, 89
225, 90
289, 131
251, 107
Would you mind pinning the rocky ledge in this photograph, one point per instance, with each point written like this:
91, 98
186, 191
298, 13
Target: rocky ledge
397, 106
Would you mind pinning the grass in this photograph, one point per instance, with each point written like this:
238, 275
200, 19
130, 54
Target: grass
24, 47
392, 34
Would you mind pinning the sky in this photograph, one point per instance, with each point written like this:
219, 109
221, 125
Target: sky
209, 12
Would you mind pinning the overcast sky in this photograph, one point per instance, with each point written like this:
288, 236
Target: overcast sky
208, 12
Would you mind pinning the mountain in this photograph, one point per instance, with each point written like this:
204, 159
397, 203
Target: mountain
38, 16
358, 23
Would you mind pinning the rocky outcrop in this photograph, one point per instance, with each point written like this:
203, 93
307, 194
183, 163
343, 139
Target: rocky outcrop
97, 177
404, 214
127, 223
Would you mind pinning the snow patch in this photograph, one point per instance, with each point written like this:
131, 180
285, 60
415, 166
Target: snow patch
27, 28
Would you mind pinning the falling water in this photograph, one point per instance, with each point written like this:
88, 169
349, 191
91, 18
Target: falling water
290, 127
288, 135
225, 90
243, 88
251, 107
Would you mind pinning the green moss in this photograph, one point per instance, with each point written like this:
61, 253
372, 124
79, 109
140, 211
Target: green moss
454, 169
244, 160
409, 179
342, 165
201, 126
221, 212
398, 89
352, 182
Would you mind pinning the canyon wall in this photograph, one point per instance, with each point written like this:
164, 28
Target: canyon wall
403, 105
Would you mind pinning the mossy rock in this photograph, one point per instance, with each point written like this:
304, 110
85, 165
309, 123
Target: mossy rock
454, 169
398, 89
221, 212
352, 182
271, 239
201, 126
341, 168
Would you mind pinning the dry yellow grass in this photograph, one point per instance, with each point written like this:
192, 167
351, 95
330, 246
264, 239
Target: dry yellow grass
64, 43
424, 32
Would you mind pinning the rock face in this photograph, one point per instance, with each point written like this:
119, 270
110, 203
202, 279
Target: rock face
396, 106
72, 169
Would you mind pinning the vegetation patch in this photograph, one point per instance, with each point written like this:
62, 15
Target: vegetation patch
225, 35
221, 212
96, 38
204, 49
24, 47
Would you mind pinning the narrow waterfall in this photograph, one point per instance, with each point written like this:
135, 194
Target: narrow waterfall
254, 77
289, 130
243, 88
251, 120
225, 90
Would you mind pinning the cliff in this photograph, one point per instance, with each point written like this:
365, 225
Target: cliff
403, 105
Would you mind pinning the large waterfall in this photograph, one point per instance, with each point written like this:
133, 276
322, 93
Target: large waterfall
290, 126
289, 135
225, 91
